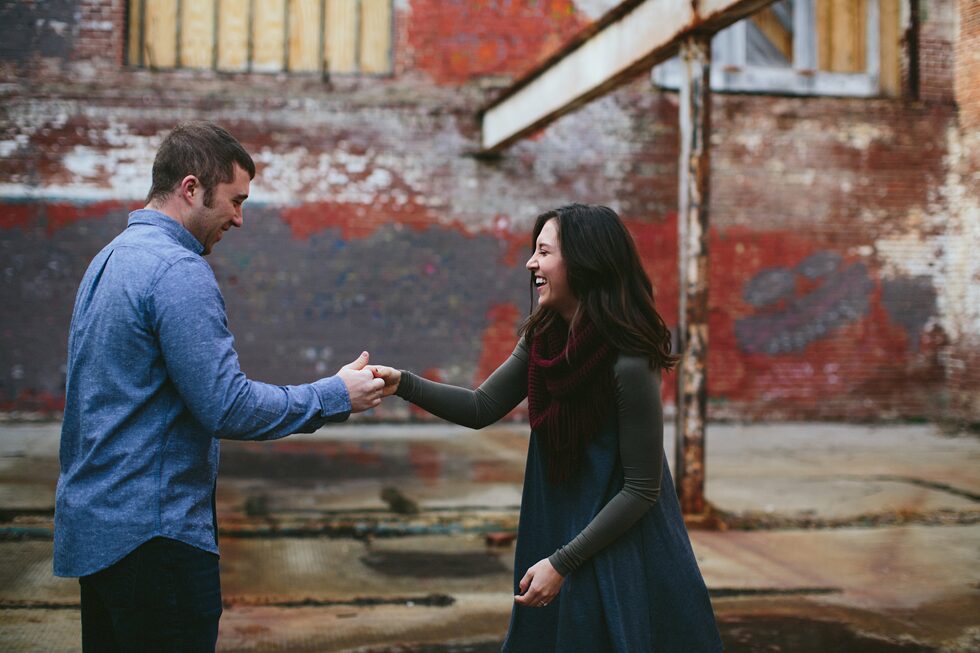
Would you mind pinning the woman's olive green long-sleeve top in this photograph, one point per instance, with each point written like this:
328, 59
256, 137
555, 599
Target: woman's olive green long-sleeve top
637, 396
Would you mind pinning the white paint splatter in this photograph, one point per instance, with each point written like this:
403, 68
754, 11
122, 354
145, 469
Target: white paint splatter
949, 260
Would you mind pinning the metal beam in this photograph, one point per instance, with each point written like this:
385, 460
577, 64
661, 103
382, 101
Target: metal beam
627, 41
692, 336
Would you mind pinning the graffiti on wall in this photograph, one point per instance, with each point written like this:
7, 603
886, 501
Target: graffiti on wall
796, 306
910, 303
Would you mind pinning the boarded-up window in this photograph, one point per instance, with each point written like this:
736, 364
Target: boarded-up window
807, 47
335, 36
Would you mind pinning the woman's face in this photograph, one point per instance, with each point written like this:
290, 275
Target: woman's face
550, 274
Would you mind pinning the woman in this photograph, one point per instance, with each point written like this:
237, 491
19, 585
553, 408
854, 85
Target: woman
603, 561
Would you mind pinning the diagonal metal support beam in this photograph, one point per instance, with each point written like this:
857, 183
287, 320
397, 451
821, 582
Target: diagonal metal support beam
630, 39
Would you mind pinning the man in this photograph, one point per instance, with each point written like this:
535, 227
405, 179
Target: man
153, 383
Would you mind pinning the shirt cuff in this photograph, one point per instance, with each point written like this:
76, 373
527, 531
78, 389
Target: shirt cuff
559, 560
334, 399
407, 386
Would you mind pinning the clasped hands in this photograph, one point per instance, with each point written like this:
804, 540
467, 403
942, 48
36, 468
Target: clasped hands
368, 384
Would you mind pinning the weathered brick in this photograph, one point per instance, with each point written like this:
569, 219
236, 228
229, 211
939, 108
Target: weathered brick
842, 272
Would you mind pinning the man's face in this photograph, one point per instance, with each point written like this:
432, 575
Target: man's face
208, 223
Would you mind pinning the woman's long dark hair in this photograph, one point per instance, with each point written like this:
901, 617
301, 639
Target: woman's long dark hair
606, 276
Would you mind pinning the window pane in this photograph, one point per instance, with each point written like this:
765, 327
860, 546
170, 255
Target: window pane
891, 48
341, 34
160, 46
375, 36
268, 35
233, 34
769, 36
304, 35
841, 35
197, 34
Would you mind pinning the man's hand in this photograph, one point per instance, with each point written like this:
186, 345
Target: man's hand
391, 376
364, 390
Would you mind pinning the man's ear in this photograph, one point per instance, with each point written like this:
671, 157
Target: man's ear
190, 186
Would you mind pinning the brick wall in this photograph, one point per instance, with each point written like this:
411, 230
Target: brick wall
962, 356
372, 225
967, 69
98, 37
936, 49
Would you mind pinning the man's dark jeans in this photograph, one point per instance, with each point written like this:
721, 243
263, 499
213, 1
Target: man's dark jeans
164, 596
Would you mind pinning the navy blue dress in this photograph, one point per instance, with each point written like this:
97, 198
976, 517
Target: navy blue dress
642, 594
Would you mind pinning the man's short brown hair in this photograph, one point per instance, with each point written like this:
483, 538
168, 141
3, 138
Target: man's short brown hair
201, 149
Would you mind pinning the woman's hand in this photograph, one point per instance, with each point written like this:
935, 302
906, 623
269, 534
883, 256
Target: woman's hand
391, 376
540, 585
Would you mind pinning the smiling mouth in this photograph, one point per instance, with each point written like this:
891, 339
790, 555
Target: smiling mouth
539, 282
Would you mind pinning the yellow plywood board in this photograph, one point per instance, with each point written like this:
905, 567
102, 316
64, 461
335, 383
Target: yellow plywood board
197, 34
233, 19
890, 64
341, 33
824, 32
849, 50
841, 35
304, 35
269, 35
135, 32
160, 45
375, 36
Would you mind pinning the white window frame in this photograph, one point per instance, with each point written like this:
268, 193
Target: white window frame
731, 73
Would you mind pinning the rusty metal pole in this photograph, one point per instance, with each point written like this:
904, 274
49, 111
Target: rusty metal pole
692, 388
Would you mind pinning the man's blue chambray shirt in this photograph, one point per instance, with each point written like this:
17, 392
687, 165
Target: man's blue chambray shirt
153, 382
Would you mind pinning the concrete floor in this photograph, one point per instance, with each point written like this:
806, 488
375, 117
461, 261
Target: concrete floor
832, 538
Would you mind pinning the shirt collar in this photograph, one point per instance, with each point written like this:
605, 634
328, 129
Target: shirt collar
168, 224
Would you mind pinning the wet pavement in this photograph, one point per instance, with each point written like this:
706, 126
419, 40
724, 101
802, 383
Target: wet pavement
372, 538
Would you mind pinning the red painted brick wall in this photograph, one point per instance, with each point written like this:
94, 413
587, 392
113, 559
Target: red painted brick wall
835, 274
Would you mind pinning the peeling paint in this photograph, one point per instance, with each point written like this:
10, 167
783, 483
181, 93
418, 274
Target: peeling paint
911, 303
370, 223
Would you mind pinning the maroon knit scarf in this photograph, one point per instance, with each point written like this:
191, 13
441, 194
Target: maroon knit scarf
569, 392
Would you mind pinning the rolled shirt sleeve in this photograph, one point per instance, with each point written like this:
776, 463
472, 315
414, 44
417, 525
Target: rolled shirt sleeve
187, 312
